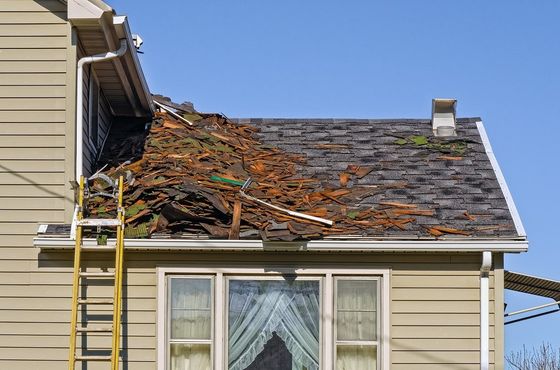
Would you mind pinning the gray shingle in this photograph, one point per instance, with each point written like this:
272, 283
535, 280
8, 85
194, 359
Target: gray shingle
449, 187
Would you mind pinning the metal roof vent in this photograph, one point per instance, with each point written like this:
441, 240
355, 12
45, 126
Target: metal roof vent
444, 117
137, 40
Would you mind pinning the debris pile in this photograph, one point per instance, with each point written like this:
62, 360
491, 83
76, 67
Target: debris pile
191, 179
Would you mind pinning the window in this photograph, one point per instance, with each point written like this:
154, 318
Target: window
356, 323
189, 314
273, 324
237, 320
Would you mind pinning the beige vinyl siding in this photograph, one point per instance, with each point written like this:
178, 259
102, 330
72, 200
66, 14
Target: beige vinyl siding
33, 53
34, 39
436, 318
434, 303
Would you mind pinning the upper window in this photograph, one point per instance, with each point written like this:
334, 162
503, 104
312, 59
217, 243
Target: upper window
272, 322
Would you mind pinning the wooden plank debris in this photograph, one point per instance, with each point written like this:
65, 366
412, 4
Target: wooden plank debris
236, 221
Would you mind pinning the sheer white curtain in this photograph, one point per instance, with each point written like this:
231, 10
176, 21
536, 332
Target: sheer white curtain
356, 326
190, 357
191, 319
356, 357
259, 308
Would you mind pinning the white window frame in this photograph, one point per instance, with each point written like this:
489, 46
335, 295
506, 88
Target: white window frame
378, 318
327, 273
168, 339
278, 277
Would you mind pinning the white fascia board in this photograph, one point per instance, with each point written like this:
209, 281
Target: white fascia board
86, 10
502, 246
501, 180
123, 32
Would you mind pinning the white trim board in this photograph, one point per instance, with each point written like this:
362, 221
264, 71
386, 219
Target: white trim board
501, 180
208, 245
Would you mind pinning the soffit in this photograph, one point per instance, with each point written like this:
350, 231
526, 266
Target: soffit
532, 285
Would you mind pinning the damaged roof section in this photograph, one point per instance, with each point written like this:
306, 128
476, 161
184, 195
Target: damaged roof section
309, 179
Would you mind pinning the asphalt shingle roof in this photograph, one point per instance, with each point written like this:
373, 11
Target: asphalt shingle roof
451, 176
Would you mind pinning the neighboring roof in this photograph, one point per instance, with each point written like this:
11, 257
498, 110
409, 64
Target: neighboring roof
187, 106
460, 185
532, 285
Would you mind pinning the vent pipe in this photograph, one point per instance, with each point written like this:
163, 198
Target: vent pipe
485, 268
444, 117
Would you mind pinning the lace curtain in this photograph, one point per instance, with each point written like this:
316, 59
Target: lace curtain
257, 308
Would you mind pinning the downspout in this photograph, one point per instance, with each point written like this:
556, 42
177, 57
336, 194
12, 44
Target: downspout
485, 310
79, 99
80, 110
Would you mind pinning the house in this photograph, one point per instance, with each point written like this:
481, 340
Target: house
426, 292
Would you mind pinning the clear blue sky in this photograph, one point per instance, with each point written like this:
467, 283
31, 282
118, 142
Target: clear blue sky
383, 59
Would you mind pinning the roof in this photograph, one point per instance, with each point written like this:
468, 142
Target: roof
312, 179
532, 285
453, 177
342, 179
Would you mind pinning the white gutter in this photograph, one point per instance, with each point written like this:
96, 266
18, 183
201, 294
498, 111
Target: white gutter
485, 310
532, 309
79, 99
501, 246
501, 180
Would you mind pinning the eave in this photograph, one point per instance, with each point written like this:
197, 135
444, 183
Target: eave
212, 245
122, 80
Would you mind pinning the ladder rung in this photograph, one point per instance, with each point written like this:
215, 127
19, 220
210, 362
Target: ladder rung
93, 358
97, 274
96, 301
97, 248
99, 222
101, 329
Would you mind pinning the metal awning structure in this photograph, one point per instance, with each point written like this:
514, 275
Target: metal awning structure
536, 286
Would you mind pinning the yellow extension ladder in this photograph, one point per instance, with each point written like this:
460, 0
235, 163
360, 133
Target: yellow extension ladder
81, 276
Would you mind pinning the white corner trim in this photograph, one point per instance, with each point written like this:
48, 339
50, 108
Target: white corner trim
160, 326
501, 180
386, 318
485, 310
